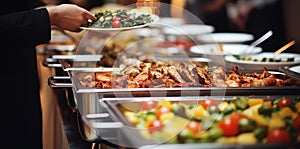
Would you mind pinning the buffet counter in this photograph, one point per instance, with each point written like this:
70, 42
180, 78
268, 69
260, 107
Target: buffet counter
59, 129
103, 90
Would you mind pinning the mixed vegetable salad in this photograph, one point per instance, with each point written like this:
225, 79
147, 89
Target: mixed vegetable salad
264, 59
119, 19
241, 120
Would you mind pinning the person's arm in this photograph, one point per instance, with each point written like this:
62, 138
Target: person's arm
26, 28
32, 27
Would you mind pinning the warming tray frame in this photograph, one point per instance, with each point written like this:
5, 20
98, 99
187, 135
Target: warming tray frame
116, 114
180, 91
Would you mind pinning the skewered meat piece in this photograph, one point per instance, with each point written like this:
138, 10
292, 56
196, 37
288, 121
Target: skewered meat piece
204, 78
183, 75
175, 75
103, 76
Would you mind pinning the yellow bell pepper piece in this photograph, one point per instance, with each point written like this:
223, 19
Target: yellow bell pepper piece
246, 138
276, 122
132, 118
297, 106
255, 101
287, 112
165, 103
166, 116
252, 111
260, 120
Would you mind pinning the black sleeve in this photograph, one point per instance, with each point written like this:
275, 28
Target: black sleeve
36, 3
26, 28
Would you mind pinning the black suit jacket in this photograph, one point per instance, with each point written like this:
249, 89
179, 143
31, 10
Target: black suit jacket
21, 29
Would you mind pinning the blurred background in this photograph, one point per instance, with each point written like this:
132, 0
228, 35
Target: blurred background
253, 16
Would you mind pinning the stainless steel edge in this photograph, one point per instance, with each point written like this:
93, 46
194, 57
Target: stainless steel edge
290, 73
54, 82
89, 58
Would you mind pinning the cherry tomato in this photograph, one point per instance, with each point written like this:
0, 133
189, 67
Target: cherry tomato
156, 125
162, 110
116, 24
116, 18
296, 123
149, 105
184, 45
284, 102
238, 116
278, 136
194, 126
229, 126
208, 102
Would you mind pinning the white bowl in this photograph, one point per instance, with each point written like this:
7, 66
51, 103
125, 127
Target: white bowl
225, 38
228, 49
188, 29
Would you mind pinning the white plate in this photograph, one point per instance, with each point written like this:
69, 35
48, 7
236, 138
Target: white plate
188, 29
225, 37
228, 49
252, 65
169, 21
155, 19
295, 69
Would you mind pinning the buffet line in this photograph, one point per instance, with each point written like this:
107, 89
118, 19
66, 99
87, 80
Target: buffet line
156, 88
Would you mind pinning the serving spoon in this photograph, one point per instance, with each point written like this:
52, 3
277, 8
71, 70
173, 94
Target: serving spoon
284, 47
258, 41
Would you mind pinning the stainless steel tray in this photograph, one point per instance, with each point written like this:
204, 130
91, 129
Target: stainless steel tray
116, 107
287, 71
180, 91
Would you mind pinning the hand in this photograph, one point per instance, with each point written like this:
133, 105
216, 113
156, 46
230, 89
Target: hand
69, 17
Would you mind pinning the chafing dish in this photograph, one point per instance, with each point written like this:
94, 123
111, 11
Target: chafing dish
105, 120
99, 118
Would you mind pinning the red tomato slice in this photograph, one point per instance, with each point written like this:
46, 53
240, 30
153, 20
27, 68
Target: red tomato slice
278, 136
116, 18
183, 44
116, 24
284, 102
147, 105
156, 125
194, 126
296, 123
208, 102
162, 110
238, 116
229, 126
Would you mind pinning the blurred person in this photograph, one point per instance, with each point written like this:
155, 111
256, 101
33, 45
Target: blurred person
258, 17
23, 25
252, 16
210, 12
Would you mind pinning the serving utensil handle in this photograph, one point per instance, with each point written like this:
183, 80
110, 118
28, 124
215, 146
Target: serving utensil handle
60, 81
51, 63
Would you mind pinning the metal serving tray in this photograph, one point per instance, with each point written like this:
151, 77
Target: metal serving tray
182, 91
162, 92
100, 118
115, 110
